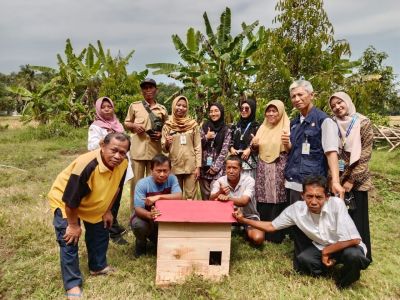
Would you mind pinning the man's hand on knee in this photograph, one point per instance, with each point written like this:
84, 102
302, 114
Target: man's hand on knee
72, 234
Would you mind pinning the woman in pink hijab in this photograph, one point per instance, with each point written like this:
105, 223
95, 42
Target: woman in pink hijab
355, 148
106, 122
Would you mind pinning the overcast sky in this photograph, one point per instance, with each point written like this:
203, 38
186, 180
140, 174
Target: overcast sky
33, 32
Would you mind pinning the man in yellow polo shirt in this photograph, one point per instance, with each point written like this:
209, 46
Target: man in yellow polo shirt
86, 190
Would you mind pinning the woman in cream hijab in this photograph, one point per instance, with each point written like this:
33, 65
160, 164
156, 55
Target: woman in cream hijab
355, 148
181, 140
270, 181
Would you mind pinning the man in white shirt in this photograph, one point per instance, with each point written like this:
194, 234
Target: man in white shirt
239, 188
329, 234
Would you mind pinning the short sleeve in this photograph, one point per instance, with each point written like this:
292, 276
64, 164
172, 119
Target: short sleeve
130, 117
249, 187
140, 193
329, 136
346, 229
75, 190
175, 188
285, 219
214, 187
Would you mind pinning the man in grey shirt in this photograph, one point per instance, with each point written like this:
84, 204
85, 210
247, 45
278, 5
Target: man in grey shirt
329, 234
238, 188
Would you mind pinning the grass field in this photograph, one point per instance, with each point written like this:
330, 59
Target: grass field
29, 260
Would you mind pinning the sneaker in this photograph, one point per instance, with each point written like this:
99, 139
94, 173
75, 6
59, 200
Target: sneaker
117, 229
107, 270
119, 240
140, 249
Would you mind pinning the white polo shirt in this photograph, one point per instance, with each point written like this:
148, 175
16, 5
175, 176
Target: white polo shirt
332, 225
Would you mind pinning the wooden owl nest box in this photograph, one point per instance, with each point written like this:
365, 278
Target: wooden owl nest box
194, 237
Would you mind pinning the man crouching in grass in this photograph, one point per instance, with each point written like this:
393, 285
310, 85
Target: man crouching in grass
86, 190
239, 188
329, 235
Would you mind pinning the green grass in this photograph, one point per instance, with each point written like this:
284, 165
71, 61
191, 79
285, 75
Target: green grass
29, 259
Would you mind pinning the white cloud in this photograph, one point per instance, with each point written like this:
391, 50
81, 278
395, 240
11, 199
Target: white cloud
35, 31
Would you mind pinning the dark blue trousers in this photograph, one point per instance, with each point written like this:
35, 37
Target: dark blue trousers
96, 239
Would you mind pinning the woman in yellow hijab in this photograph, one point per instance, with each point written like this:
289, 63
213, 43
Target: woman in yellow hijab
181, 140
272, 154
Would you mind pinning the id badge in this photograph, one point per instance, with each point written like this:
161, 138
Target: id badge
341, 165
183, 139
305, 148
209, 161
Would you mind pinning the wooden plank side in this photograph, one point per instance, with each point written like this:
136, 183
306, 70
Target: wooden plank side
192, 248
187, 230
176, 271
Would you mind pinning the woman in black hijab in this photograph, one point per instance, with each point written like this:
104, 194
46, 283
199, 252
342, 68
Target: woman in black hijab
242, 134
215, 140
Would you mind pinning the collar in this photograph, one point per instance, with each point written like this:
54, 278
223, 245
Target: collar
239, 184
102, 167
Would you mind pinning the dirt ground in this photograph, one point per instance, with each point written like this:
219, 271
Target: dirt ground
14, 122
394, 120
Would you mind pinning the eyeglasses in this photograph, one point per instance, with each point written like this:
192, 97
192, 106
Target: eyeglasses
245, 108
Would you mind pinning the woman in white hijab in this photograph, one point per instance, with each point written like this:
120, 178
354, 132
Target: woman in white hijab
355, 148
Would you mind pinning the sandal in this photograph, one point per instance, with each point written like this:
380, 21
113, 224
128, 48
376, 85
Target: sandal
107, 270
74, 295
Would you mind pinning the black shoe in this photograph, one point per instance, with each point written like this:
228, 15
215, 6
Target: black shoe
117, 229
140, 249
119, 240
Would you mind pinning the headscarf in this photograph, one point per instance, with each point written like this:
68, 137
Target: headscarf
243, 122
218, 127
270, 143
112, 124
180, 124
241, 126
353, 140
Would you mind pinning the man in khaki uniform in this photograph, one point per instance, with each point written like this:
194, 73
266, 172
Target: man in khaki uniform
145, 139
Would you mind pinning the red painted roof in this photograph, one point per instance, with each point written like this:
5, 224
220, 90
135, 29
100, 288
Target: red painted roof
195, 211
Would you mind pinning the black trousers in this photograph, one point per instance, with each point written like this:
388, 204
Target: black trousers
353, 260
361, 219
116, 229
268, 212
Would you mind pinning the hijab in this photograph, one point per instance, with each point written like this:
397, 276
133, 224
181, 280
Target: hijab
353, 140
218, 127
243, 122
180, 124
113, 124
270, 144
242, 135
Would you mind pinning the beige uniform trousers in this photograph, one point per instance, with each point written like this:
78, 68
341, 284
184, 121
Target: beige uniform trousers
188, 185
141, 169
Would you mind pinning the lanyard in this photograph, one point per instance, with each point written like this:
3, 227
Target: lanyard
242, 135
343, 139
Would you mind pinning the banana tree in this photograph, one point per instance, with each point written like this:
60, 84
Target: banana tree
216, 66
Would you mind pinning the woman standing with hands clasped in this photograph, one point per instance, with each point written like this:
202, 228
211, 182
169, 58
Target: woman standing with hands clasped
242, 134
355, 149
215, 139
181, 139
272, 153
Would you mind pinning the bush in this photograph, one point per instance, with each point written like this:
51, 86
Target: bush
378, 119
55, 129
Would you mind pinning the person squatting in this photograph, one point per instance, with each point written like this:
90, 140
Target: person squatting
306, 179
